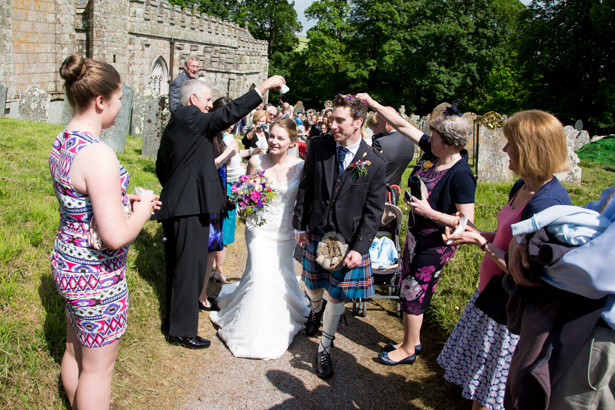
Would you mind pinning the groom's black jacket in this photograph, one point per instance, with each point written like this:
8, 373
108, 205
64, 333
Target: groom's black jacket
185, 166
355, 203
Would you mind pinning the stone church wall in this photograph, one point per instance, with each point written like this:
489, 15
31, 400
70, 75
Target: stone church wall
145, 40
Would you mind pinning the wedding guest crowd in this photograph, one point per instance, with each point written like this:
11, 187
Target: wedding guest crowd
538, 332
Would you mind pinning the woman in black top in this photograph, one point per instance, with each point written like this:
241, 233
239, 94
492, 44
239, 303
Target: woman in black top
257, 137
450, 187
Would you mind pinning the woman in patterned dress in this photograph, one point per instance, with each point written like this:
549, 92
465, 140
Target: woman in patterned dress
477, 355
98, 221
451, 185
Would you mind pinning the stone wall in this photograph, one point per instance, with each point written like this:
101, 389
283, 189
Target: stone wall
135, 36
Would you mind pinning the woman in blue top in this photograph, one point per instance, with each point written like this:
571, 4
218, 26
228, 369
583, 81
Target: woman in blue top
450, 186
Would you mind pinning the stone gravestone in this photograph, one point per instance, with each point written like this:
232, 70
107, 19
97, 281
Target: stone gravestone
578, 125
2, 100
471, 117
34, 104
402, 112
67, 112
299, 108
492, 161
581, 140
425, 121
115, 136
55, 112
328, 104
573, 176
155, 120
439, 110
415, 118
144, 106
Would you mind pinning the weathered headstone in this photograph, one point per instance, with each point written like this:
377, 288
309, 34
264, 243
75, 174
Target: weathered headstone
34, 104
402, 112
299, 108
144, 107
155, 122
55, 112
115, 136
471, 117
578, 125
67, 112
415, 118
13, 109
2, 100
424, 124
439, 110
581, 140
573, 176
328, 104
492, 161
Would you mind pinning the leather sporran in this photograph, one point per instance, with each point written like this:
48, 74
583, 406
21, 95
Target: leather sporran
331, 251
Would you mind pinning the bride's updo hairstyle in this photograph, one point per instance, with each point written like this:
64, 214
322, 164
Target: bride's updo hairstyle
85, 79
289, 125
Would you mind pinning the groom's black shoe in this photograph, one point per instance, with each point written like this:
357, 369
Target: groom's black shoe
195, 342
313, 322
324, 367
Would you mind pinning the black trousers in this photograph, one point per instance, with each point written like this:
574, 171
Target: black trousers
185, 253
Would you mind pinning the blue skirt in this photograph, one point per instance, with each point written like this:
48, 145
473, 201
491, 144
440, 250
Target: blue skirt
228, 226
341, 284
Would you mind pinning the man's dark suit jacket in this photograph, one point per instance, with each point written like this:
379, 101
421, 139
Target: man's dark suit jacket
399, 150
358, 204
185, 166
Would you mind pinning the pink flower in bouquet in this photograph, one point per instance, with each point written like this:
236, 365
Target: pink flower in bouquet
255, 195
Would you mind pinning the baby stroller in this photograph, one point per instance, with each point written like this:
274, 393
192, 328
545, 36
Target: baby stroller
386, 276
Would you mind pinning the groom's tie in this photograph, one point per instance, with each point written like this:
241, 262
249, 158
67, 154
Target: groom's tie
341, 156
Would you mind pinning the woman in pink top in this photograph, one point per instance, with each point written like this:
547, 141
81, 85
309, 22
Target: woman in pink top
477, 355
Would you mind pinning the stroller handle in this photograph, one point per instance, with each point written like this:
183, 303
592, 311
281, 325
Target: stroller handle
391, 197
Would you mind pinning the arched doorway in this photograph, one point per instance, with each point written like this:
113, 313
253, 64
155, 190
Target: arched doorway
158, 77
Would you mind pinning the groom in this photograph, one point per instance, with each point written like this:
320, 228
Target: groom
335, 194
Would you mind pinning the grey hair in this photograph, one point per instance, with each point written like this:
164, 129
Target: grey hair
188, 88
453, 129
271, 106
192, 57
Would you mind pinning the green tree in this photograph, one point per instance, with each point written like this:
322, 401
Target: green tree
567, 59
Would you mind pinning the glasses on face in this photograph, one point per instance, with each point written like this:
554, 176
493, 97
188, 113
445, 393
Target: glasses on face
194, 67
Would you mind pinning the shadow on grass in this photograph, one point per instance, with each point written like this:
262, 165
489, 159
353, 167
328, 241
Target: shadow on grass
150, 264
54, 328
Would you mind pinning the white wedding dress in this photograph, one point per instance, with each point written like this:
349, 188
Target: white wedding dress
267, 309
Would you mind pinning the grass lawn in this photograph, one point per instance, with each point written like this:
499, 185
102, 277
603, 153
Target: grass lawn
32, 323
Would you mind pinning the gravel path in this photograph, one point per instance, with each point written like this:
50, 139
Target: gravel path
221, 381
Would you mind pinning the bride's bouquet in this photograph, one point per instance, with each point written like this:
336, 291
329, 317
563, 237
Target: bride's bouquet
250, 195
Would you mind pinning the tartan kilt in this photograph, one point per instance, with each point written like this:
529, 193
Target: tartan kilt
341, 284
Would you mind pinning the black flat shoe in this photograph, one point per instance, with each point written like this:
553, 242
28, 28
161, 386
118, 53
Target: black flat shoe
384, 357
313, 322
324, 365
195, 342
213, 305
418, 349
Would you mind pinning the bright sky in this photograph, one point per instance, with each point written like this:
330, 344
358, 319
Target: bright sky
301, 5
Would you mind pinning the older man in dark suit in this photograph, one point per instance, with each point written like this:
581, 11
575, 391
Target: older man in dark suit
342, 189
191, 190
397, 148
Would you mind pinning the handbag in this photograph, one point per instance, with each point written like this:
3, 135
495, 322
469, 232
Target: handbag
493, 300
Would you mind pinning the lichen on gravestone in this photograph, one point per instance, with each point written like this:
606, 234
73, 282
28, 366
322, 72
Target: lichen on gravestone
34, 104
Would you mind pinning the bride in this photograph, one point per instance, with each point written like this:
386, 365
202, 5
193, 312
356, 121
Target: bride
260, 318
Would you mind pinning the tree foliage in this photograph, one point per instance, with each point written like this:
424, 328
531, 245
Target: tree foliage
567, 59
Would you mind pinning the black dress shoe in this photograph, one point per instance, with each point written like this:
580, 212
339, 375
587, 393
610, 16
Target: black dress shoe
384, 357
418, 349
196, 342
313, 322
324, 367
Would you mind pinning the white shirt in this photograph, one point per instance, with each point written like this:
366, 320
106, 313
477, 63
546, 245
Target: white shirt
352, 151
234, 169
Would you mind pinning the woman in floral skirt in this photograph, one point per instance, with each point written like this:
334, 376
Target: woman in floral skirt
477, 355
451, 185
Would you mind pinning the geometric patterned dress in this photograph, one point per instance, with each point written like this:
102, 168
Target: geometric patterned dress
92, 282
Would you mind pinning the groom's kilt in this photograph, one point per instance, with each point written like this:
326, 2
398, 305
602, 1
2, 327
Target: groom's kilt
341, 284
